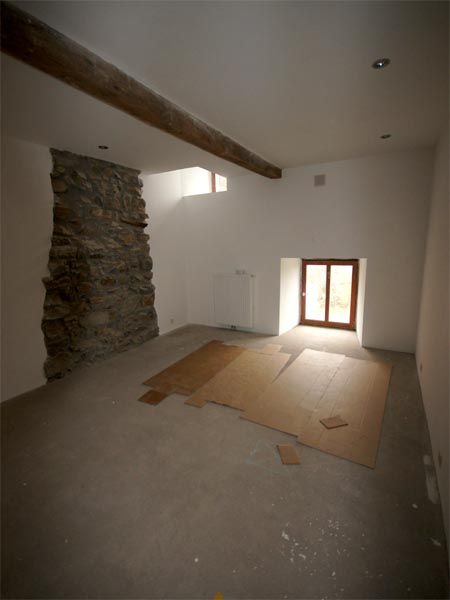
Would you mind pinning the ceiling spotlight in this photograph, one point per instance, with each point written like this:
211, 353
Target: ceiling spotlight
103, 147
385, 136
380, 63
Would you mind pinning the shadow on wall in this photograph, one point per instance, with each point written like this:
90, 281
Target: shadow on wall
99, 296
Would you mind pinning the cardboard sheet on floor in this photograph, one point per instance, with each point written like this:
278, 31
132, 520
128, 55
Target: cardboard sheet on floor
318, 385
270, 349
286, 404
239, 383
152, 397
191, 372
288, 454
358, 394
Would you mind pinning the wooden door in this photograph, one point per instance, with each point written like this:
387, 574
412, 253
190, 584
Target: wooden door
329, 291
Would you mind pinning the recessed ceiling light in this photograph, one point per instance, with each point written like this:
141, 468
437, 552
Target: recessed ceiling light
380, 63
385, 136
103, 147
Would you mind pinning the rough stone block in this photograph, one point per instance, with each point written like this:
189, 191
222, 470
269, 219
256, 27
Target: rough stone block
99, 295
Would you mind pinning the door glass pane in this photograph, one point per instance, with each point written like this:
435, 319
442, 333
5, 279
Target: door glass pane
340, 293
316, 285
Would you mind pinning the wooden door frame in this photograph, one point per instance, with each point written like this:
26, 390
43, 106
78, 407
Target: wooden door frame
354, 262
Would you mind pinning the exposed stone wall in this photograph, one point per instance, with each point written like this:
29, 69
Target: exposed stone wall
100, 297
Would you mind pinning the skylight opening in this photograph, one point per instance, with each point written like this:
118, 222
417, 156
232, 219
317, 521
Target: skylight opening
218, 183
196, 181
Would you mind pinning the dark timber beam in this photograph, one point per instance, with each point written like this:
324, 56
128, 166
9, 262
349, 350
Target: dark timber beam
26, 38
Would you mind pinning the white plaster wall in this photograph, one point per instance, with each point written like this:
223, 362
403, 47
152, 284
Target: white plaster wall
432, 352
361, 299
373, 207
27, 224
167, 229
289, 294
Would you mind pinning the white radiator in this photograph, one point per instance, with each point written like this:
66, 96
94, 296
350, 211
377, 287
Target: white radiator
233, 299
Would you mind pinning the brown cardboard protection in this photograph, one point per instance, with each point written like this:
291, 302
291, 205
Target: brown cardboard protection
270, 349
319, 385
333, 422
152, 397
288, 454
194, 370
241, 381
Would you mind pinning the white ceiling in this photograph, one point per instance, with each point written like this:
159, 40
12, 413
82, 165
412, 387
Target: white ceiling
289, 80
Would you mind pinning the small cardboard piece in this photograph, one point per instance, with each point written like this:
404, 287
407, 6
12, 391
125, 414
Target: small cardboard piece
333, 422
191, 372
153, 397
240, 382
288, 454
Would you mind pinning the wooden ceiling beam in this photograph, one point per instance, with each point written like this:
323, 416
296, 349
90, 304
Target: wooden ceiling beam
26, 38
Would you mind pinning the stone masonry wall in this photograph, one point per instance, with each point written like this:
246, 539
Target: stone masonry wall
100, 297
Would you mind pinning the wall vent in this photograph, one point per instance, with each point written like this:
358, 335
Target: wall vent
319, 180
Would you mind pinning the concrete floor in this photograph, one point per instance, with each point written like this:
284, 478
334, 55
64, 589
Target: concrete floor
107, 497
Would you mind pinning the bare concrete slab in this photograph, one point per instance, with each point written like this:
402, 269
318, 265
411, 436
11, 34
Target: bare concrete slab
108, 497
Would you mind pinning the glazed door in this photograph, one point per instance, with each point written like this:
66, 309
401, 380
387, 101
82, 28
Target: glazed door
329, 292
